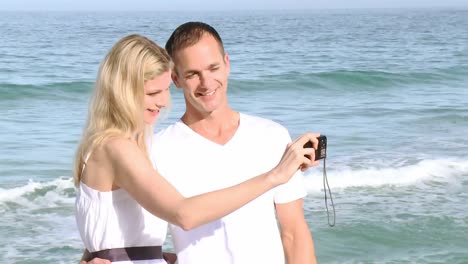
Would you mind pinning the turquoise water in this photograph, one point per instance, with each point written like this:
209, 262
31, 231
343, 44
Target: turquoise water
389, 88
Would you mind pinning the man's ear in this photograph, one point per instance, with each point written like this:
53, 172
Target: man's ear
175, 78
228, 65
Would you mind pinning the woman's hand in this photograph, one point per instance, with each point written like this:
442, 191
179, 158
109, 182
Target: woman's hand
294, 158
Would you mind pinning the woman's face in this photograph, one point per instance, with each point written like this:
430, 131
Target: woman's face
157, 96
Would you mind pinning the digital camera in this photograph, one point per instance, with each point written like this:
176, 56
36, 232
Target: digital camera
321, 151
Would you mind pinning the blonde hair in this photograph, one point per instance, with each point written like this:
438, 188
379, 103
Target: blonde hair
116, 106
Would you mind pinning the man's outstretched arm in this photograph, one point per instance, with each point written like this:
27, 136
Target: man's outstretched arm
295, 234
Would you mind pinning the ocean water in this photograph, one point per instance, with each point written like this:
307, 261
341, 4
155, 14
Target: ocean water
389, 88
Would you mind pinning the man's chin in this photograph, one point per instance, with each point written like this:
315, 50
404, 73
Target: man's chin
209, 108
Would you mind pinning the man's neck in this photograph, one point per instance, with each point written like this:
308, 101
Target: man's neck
218, 127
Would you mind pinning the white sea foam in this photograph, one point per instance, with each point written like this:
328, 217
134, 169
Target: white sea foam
425, 170
35, 216
39, 194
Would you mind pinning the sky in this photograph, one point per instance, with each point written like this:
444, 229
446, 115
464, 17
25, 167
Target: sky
211, 5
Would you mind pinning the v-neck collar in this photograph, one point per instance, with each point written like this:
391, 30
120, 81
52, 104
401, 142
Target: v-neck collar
188, 130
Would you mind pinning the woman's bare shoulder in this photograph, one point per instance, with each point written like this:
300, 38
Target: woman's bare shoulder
121, 150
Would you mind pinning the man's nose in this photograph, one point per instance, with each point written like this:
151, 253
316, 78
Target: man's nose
205, 80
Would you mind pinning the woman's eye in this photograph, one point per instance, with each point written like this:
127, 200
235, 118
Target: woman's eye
153, 93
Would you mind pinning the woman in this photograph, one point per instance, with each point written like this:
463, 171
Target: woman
123, 203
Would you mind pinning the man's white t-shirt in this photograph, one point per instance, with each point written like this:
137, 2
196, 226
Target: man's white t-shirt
195, 165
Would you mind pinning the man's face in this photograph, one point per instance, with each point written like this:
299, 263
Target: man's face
202, 72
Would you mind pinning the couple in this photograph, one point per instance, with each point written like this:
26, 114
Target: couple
220, 178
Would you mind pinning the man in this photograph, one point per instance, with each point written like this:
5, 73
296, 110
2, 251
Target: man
226, 147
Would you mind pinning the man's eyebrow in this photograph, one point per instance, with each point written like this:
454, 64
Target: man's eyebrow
210, 66
191, 72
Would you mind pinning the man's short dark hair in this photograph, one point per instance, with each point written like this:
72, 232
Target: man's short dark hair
189, 34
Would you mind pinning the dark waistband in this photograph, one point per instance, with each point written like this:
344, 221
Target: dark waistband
129, 253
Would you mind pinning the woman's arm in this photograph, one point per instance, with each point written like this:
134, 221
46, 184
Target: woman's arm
134, 173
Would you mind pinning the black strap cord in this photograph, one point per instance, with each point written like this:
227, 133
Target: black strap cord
327, 190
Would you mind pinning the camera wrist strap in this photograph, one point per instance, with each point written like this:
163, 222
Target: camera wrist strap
326, 189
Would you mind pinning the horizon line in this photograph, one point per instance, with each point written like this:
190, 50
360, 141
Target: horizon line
240, 9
